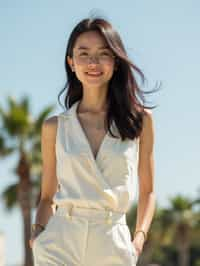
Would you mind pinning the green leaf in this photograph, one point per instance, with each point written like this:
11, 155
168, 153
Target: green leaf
10, 196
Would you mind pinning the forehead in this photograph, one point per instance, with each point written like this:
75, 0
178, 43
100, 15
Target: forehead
90, 40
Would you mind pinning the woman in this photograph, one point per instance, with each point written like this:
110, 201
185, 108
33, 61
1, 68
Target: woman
92, 153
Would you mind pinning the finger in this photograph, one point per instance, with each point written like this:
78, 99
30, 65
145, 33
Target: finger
31, 243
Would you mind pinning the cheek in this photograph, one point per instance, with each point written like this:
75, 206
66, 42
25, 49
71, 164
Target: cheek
79, 72
108, 69
109, 72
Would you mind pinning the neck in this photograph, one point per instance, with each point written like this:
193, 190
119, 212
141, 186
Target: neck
92, 106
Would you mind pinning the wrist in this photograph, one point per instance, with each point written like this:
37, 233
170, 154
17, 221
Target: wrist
36, 229
140, 234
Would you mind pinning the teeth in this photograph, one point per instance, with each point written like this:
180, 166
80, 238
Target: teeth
94, 73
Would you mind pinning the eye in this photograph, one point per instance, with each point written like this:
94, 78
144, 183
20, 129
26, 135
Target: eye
105, 53
83, 54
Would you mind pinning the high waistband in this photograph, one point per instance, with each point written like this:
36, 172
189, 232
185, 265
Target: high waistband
97, 215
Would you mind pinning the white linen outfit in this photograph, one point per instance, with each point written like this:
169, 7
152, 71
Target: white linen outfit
89, 227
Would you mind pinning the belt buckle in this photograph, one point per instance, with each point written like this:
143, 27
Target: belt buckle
109, 217
69, 212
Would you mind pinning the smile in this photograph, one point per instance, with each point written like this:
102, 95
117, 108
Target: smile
94, 74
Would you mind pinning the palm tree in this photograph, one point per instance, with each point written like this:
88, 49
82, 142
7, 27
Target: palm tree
179, 222
173, 228
20, 134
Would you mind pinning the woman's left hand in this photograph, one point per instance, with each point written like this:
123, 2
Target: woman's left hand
138, 243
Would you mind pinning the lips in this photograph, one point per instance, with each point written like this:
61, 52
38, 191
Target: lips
94, 74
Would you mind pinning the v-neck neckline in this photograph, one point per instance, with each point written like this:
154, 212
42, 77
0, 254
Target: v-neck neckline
86, 140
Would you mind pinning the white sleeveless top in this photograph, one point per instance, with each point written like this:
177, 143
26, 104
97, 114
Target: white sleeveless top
104, 182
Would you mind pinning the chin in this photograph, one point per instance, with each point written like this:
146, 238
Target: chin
94, 84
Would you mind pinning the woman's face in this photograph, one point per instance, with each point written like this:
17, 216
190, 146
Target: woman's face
92, 61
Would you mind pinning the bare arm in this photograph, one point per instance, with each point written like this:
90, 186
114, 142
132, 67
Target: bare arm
146, 201
49, 179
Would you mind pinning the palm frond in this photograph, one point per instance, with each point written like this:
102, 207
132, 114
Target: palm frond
5, 150
25, 104
10, 196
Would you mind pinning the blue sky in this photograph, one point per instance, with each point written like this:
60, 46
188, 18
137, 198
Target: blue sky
162, 38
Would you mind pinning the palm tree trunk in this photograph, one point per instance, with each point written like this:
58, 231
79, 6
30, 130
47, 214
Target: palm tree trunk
26, 214
183, 256
183, 245
24, 199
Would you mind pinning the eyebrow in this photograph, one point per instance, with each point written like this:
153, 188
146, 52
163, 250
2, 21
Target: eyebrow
87, 48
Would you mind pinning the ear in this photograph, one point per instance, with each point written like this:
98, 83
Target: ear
70, 63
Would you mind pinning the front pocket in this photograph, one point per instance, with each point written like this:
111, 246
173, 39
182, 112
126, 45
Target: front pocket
38, 236
123, 245
133, 253
132, 249
51, 219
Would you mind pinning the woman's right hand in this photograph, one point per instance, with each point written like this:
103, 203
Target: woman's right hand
31, 242
34, 235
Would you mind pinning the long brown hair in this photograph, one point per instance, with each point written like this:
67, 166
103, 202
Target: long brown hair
126, 101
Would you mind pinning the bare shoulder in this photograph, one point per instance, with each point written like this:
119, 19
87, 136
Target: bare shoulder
148, 127
49, 126
148, 117
51, 121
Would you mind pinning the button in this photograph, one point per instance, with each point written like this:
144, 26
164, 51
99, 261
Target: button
109, 217
109, 221
69, 213
68, 216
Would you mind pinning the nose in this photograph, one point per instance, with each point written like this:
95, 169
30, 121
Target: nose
93, 59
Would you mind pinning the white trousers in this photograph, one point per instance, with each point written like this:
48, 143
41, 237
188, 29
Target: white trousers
84, 237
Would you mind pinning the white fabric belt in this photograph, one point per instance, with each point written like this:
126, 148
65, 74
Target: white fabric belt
97, 215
